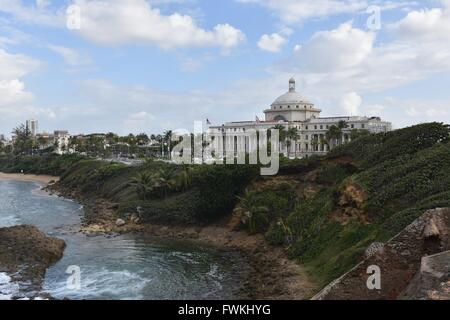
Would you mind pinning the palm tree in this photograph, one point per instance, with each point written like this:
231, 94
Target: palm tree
144, 184
292, 135
333, 135
168, 140
183, 179
164, 182
250, 213
282, 134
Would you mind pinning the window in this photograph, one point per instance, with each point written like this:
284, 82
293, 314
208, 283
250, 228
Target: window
363, 126
298, 107
353, 126
315, 127
307, 137
321, 127
289, 107
306, 127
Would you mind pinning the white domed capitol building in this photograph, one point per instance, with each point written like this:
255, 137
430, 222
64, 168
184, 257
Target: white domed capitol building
292, 110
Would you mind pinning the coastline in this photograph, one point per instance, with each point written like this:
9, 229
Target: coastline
273, 275
44, 179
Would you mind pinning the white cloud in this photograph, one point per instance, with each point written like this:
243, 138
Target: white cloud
15, 66
348, 59
13, 92
295, 11
426, 25
350, 103
271, 43
343, 47
70, 56
39, 13
12, 89
138, 122
135, 21
41, 4
15, 100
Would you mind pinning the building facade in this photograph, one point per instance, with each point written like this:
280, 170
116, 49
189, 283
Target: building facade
32, 126
61, 141
292, 110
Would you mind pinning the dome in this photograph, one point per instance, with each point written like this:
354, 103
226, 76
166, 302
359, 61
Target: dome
291, 97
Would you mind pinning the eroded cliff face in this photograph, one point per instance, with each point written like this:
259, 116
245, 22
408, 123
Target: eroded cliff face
26, 253
415, 264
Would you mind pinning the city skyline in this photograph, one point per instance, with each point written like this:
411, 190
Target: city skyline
182, 61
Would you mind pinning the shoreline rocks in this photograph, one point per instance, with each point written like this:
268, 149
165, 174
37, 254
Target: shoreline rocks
25, 255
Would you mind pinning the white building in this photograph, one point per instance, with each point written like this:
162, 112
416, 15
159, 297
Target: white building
61, 140
292, 110
32, 126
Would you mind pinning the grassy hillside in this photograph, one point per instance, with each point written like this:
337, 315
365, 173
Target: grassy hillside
331, 209
324, 211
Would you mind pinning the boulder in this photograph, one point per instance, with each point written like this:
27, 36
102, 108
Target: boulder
120, 222
26, 253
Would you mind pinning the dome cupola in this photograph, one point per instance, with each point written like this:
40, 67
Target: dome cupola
291, 97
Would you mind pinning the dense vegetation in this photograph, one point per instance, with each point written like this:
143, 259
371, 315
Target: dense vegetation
325, 211
50, 164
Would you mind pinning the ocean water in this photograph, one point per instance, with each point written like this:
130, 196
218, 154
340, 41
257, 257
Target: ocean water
124, 267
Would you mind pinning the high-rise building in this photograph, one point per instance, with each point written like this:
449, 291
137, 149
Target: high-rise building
32, 126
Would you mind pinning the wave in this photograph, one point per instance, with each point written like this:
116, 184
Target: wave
103, 283
8, 288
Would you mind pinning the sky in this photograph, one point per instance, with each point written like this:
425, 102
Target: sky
132, 66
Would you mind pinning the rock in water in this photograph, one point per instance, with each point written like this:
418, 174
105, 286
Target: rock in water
26, 252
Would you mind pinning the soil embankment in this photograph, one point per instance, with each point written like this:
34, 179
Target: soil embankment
412, 265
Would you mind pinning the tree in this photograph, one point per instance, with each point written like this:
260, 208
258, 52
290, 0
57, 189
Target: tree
292, 135
250, 213
42, 142
333, 135
183, 178
24, 142
144, 185
168, 141
358, 133
342, 124
282, 134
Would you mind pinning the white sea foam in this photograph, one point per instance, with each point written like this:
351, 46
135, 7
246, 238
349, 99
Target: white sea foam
9, 221
104, 283
8, 288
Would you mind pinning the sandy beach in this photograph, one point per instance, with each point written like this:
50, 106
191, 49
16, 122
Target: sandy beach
44, 179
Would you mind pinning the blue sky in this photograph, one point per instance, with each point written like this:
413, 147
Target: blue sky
147, 66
